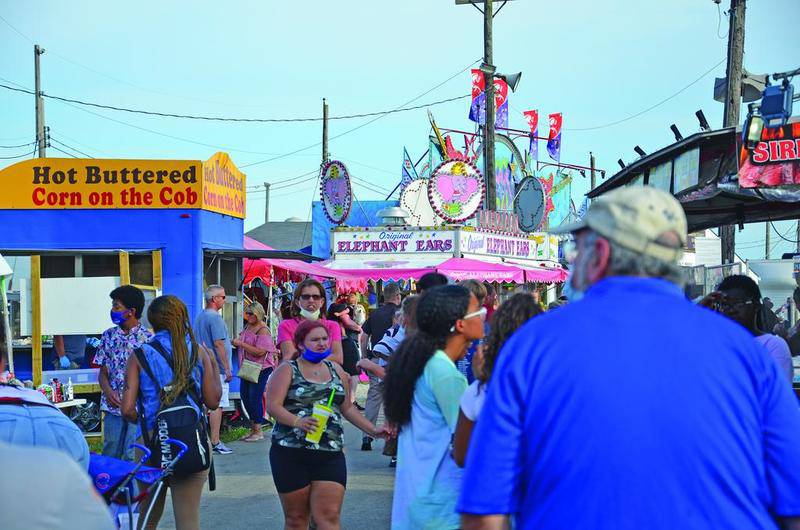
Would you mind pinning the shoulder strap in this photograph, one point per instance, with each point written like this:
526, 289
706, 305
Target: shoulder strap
191, 390
139, 352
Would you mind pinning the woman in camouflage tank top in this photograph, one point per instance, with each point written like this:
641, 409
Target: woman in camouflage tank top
298, 466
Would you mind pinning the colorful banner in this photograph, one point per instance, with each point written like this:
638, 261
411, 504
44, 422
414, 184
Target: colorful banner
500, 103
335, 191
558, 187
532, 119
775, 160
86, 184
392, 242
554, 138
456, 190
409, 172
476, 108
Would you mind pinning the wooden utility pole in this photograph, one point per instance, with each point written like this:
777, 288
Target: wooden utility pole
41, 140
324, 130
733, 101
266, 204
593, 179
488, 129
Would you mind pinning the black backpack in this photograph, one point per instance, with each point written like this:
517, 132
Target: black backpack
180, 421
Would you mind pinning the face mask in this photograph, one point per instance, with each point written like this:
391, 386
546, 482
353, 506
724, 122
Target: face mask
309, 315
314, 356
118, 317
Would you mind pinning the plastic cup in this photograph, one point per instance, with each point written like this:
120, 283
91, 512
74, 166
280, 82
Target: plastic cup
321, 413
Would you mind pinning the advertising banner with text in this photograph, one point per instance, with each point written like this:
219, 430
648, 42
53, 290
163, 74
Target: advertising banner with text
356, 244
536, 247
75, 184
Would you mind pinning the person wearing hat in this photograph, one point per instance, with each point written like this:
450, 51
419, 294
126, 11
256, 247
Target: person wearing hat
632, 407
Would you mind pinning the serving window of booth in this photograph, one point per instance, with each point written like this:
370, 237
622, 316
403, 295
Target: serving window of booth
60, 307
226, 272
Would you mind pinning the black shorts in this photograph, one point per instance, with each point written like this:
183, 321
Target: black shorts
294, 469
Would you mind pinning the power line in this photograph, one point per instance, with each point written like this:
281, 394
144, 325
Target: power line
225, 119
69, 147
648, 109
373, 120
279, 182
62, 151
16, 146
17, 156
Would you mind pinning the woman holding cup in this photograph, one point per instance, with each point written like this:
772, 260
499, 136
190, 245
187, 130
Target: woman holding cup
307, 398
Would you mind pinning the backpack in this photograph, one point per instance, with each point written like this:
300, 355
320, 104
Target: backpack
180, 421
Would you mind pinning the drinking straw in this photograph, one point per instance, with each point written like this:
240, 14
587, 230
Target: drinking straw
330, 399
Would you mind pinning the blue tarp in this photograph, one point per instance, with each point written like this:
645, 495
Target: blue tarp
362, 213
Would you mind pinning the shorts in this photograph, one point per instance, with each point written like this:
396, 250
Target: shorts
349, 364
294, 468
224, 401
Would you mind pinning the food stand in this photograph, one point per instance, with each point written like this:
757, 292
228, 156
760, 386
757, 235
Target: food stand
74, 229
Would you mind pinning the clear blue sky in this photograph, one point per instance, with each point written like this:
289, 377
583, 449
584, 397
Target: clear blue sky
596, 62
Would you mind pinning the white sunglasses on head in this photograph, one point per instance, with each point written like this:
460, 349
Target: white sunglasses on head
479, 313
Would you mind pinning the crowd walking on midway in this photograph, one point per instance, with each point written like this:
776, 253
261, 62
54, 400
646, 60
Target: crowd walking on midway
622, 406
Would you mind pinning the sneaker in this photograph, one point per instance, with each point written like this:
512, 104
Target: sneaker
366, 444
222, 449
393, 462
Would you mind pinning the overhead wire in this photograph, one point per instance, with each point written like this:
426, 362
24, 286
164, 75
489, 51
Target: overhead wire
648, 109
226, 119
17, 146
70, 147
17, 156
373, 120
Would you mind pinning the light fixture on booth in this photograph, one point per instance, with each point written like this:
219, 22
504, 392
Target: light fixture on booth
393, 216
753, 128
676, 132
703, 121
776, 104
639, 151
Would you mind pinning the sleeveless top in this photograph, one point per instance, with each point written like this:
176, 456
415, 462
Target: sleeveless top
300, 399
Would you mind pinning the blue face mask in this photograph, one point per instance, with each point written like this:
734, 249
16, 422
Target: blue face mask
314, 356
118, 317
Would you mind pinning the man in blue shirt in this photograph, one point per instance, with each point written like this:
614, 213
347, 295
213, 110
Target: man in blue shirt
632, 408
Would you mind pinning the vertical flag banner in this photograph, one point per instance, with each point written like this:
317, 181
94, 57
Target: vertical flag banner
554, 139
435, 154
477, 108
409, 172
532, 118
500, 104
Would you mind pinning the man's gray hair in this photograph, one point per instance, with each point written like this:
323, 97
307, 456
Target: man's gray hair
212, 291
626, 262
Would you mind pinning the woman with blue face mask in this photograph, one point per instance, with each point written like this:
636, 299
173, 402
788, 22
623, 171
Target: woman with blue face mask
309, 303
304, 470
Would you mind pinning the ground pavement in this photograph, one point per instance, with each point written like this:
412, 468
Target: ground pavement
246, 496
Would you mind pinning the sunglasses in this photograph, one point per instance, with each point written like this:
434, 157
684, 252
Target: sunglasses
479, 313
307, 297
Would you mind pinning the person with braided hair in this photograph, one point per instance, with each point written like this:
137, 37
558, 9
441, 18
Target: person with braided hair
421, 395
192, 366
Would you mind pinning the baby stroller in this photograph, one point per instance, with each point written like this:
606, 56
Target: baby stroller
114, 481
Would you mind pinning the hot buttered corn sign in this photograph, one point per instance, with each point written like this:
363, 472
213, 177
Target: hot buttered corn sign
74, 183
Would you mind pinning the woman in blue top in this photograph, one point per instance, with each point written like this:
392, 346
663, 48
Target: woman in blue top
422, 391
170, 321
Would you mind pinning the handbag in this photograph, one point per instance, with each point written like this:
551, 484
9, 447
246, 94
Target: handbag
249, 371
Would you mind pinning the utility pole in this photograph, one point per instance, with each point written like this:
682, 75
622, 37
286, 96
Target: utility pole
324, 130
768, 243
41, 140
593, 180
733, 101
488, 128
266, 205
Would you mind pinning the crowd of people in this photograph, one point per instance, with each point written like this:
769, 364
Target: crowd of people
621, 405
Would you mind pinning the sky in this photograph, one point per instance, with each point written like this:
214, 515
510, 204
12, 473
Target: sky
596, 62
